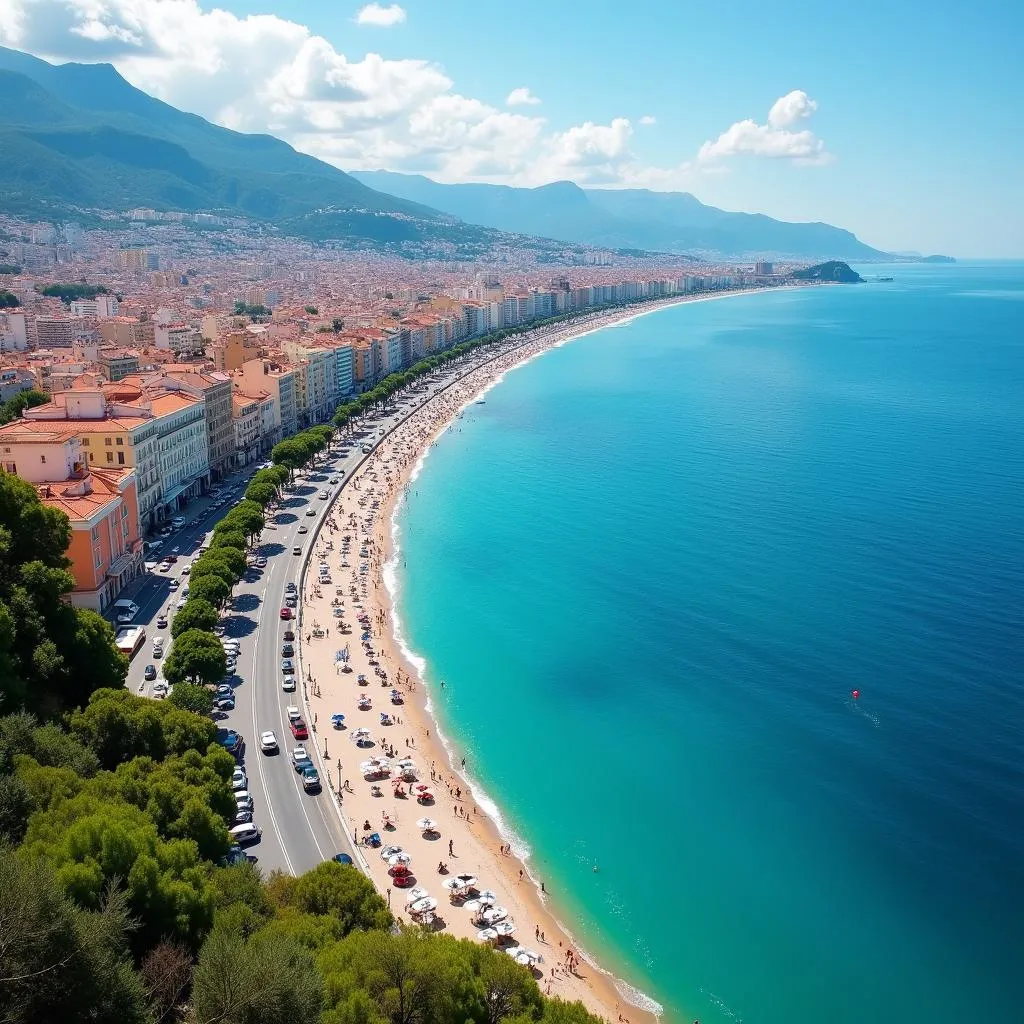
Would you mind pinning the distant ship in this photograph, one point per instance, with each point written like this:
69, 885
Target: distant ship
884, 279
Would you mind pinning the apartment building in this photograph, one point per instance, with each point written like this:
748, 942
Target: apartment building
13, 331
233, 348
116, 364
316, 375
127, 332
101, 504
14, 380
183, 447
101, 306
278, 381
215, 389
179, 338
247, 421
56, 331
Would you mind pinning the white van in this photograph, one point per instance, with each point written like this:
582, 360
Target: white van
125, 610
245, 833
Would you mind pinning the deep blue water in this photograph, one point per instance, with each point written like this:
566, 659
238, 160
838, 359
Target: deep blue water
653, 567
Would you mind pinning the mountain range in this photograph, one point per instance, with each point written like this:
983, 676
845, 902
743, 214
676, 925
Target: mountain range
78, 136
624, 218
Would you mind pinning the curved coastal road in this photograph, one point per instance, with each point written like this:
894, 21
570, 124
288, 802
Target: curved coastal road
299, 829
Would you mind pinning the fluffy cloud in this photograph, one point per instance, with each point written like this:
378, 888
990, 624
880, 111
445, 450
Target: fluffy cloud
263, 73
375, 14
648, 119
774, 139
521, 97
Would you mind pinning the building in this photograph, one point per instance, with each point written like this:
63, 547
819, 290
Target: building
183, 448
278, 381
181, 339
317, 381
134, 260
233, 348
101, 306
56, 331
13, 331
102, 505
14, 380
247, 422
116, 363
763, 269
127, 332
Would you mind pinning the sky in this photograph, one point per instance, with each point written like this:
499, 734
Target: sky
897, 121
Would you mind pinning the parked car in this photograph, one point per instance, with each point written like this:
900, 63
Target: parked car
161, 622
268, 742
158, 647
299, 730
287, 650
150, 672
245, 833
174, 584
288, 684
302, 529
310, 511
286, 613
343, 858
310, 779
288, 634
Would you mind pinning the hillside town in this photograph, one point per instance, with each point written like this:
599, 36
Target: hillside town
179, 351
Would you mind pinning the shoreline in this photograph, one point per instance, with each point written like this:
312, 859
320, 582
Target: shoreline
367, 509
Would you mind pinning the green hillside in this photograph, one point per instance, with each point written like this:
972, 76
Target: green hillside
78, 135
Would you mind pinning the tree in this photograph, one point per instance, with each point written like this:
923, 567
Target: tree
212, 589
190, 697
220, 558
167, 974
259, 980
260, 492
246, 516
197, 614
290, 453
59, 962
17, 404
8, 300
228, 538
344, 894
312, 310
196, 655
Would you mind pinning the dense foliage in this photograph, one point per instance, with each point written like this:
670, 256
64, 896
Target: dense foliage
17, 404
68, 291
44, 641
116, 906
8, 300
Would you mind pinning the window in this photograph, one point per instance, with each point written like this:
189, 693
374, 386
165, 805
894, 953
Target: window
110, 456
85, 442
91, 457
42, 458
120, 440
120, 458
107, 442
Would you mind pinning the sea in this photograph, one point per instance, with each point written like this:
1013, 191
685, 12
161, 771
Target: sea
729, 606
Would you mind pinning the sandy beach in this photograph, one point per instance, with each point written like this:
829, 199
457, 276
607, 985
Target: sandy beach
353, 611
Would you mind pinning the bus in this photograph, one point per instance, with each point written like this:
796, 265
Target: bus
130, 640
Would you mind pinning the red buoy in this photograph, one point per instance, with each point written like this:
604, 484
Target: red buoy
855, 694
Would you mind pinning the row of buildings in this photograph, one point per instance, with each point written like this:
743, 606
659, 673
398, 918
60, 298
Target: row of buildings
153, 400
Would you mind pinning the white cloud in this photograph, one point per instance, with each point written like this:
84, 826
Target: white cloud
521, 97
648, 119
264, 73
793, 107
773, 139
384, 17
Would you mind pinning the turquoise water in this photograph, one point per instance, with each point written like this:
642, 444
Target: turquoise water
653, 567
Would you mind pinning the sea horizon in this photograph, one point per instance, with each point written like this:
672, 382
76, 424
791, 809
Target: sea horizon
792, 534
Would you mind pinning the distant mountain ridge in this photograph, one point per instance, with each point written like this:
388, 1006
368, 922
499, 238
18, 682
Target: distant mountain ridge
625, 218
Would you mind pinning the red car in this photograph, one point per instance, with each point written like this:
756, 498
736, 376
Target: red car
299, 730
286, 613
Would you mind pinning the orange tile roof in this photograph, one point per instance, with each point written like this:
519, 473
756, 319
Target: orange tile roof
63, 494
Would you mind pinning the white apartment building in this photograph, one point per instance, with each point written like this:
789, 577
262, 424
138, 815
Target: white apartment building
101, 306
247, 420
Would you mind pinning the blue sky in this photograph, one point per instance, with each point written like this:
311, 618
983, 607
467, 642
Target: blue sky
899, 121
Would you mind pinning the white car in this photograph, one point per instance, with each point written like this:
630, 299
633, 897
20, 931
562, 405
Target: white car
178, 522
158, 647
186, 568
323, 494
182, 601
268, 742
160, 688
238, 779
174, 584
230, 646
243, 799
245, 833
293, 713
165, 566
288, 684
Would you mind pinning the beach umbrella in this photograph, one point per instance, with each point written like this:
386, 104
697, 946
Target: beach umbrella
467, 880
399, 858
452, 885
488, 896
419, 893
426, 824
494, 915
487, 935
423, 906
420, 787
406, 762
425, 795
399, 871
505, 928
527, 957
358, 734
337, 717
474, 905
389, 851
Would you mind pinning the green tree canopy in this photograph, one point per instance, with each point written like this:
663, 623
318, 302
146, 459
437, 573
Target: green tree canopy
189, 697
261, 492
229, 538
196, 655
197, 614
210, 588
8, 300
